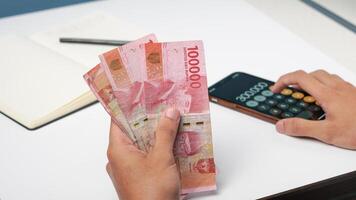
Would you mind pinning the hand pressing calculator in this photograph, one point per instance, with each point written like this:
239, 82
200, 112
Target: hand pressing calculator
251, 95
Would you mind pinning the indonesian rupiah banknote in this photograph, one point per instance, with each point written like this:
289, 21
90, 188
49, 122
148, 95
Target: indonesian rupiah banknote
100, 86
176, 77
137, 81
120, 66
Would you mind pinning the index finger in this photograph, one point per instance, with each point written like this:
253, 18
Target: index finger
117, 136
307, 82
121, 149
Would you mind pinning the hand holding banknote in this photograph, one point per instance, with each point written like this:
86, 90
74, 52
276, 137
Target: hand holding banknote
135, 83
140, 175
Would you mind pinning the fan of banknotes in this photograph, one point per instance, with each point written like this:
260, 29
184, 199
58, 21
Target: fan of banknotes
139, 80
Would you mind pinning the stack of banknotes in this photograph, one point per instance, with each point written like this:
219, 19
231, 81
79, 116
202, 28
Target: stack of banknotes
137, 81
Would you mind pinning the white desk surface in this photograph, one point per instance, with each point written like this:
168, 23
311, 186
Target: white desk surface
66, 159
320, 31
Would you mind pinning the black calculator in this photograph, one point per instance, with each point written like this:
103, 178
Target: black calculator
252, 95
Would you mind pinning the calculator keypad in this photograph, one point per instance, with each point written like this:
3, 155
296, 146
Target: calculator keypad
286, 91
259, 98
267, 93
288, 103
302, 104
295, 110
251, 103
263, 107
291, 100
279, 97
287, 115
309, 99
275, 111
298, 95
283, 106
272, 102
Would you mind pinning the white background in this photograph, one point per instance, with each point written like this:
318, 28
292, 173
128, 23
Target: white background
66, 159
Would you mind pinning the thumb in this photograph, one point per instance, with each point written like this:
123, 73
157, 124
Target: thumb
304, 128
166, 132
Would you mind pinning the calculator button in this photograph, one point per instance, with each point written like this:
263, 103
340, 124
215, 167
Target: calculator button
314, 108
267, 93
290, 100
309, 99
278, 96
305, 114
275, 111
271, 102
286, 92
263, 107
302, 104
252, 103
287, 115
283, 106
259, 98
298, 95
295, 109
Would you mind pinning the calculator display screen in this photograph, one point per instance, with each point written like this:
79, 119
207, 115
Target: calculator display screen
239, 87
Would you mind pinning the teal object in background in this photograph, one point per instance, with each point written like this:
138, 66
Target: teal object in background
15, 7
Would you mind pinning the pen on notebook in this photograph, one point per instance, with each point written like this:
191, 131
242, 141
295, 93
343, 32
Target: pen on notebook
93, 41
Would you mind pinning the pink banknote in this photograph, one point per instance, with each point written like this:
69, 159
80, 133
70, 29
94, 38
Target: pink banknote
100, 86
176, 77
137, 81
120, 66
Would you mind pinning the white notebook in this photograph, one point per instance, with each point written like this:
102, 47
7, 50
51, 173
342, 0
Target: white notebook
41, 79
38, 85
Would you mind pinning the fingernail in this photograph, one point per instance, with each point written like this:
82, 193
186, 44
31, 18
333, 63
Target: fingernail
280, 126
172, 113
